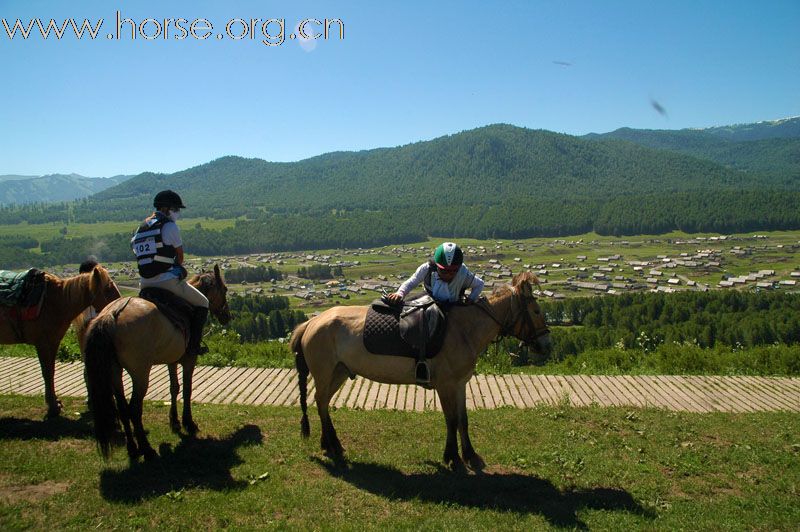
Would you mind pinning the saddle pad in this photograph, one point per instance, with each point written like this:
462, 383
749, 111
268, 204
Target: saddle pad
176, 309
23, 289
382, 336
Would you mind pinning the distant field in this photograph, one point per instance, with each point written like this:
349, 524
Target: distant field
48, 231
557, 261
390, 265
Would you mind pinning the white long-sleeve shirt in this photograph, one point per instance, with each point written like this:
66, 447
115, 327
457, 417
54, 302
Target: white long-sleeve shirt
442, 291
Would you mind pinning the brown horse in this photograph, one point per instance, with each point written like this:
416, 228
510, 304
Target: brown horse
64, 300
132, 334
331, 347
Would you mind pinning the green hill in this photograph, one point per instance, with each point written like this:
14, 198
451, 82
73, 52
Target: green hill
770, 151
494, 181
52, 188
485, 166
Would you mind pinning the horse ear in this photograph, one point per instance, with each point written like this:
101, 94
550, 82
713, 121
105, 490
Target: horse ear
217, 275
96, 282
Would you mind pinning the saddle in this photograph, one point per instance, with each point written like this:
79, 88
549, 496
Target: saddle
176, 309
22, 294
403, 330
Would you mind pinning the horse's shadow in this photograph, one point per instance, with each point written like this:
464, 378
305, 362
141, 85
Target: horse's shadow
52, 429
193, 463
509, 492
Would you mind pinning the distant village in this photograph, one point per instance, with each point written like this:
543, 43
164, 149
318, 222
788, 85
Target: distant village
570, 276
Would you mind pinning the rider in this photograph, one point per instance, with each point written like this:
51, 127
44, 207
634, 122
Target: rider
445, 279
159, 254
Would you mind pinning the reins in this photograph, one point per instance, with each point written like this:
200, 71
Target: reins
508, 329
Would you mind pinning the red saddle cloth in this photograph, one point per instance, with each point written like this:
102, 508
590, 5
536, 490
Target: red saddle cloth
21, 313
21, 294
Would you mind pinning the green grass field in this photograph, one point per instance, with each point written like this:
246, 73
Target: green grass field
53, 230
549, 467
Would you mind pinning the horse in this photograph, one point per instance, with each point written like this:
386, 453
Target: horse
330, 347
132, 334
64, 300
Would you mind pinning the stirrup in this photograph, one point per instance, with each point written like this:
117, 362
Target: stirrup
423, 373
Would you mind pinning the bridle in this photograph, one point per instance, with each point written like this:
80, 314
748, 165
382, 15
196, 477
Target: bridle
509, 323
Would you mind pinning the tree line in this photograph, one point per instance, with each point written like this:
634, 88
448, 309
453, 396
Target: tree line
723, 212
256, 318
647, 320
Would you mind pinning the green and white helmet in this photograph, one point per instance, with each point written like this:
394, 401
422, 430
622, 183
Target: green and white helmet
448, 256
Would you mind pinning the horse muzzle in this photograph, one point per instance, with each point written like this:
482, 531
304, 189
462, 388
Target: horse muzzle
542, 345
223, 315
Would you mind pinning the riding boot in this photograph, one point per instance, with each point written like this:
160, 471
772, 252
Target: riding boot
199, 317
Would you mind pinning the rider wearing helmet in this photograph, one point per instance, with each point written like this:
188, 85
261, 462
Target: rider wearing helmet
159, 255
444, 277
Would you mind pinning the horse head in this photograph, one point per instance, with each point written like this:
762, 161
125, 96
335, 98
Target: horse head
102, 287
213, 287
528, 323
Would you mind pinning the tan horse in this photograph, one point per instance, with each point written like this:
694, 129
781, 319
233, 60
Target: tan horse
331, 347
132, 334
64, 300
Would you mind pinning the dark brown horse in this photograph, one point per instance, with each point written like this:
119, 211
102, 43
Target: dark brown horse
331, 347
64, 300
132, 334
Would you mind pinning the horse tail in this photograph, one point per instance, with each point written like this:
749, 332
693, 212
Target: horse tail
100, 357
302, 374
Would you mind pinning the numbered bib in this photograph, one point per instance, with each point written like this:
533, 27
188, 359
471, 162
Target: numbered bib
145, 247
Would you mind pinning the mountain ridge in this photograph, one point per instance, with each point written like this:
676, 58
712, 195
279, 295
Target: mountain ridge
18, 189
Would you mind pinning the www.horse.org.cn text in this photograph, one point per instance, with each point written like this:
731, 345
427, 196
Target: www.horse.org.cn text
269, 31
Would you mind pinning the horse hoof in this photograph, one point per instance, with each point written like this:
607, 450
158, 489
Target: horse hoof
191, 427
54, 410
457, 466
454, 461
475, 462
175, 426
133, 453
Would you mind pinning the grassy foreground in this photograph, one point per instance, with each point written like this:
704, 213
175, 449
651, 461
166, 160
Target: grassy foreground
547, 467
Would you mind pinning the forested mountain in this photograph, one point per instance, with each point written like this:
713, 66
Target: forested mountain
49, 188
496, 181
493, 165
765, 150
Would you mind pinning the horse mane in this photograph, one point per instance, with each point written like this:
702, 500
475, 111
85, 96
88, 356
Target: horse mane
517, 283
69, 286
204, 282
524, 277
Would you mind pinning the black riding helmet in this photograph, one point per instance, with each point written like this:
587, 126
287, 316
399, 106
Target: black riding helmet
169, 199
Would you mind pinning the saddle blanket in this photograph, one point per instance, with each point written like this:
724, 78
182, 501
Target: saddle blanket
382, 332
22, 293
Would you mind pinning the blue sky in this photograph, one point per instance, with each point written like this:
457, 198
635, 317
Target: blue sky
405, 71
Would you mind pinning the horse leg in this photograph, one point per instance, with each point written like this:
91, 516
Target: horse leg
449, 399
329, 441
174, 388
472, 458
123, 410
47, 362
188, 372
137, 401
